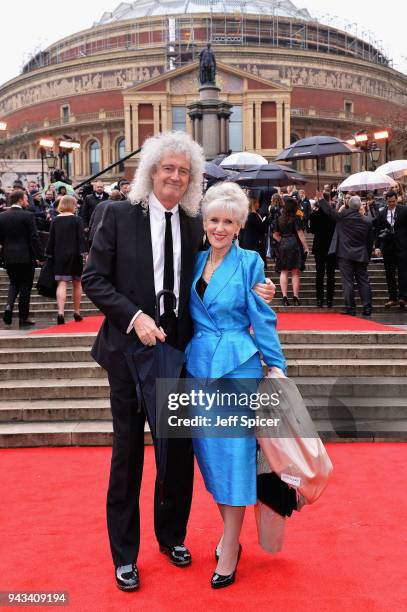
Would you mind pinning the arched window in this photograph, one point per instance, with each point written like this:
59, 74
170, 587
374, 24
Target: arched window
120, 146
94, 157
293, 138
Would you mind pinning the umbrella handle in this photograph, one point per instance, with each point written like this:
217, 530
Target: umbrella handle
157, 303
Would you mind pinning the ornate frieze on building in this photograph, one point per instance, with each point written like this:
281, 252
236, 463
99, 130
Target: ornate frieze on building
328, 79
82, 84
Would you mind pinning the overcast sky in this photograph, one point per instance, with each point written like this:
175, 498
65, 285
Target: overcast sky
30, 26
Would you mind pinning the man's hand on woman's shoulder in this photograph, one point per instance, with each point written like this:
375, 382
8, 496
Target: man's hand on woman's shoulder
265, 290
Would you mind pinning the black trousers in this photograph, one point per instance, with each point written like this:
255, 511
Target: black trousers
21, 281
325, 264
172, 500
395, 268
352, 271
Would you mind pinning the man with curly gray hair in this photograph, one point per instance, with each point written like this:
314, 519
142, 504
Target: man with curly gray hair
144, 245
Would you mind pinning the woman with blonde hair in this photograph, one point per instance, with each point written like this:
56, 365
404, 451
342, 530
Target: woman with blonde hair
224, 307
66, 246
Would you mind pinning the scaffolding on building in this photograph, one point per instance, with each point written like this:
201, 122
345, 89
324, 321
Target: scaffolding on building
181, 35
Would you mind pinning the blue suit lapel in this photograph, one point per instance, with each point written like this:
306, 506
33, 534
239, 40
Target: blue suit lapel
222, 275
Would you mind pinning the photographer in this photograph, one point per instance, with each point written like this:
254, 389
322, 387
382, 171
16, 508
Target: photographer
391, 242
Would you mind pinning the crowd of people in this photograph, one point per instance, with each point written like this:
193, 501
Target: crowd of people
347, 232
278, 223
54, 223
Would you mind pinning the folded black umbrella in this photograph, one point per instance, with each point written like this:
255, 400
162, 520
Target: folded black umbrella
46, 284
276, 494
147, 365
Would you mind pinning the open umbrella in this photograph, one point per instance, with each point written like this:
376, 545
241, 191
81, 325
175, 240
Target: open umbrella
366, 181
396, 168
238, 161
147, 365
316, 147
69, 189
269, 175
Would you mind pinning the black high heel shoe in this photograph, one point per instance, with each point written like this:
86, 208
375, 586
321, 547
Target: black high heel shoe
60, 319
296, 301
285, 300
78, 318
219, 582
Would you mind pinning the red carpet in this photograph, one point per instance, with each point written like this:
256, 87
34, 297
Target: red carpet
346, 553
286, 321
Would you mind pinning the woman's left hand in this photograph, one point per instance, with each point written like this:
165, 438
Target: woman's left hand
275, 372
265, 290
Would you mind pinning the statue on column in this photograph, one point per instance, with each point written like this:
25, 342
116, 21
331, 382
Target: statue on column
207, 66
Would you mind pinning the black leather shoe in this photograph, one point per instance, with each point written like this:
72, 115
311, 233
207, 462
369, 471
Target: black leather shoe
60, 320
367, 312
349, 311
178, 555
25, 323
285, 300
127, 577
219, 582
320, 304
296, 301
78, 318
8, 316
329, 304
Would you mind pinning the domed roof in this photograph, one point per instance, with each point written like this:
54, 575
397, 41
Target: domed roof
145, 8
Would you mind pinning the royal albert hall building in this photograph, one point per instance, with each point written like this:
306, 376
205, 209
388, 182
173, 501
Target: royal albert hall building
135, 72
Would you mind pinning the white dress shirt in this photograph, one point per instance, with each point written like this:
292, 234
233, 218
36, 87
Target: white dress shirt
157, 225
391, 212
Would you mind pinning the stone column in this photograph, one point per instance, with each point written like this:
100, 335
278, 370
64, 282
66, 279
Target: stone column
248, 126
156, 115
287, 123
279, 116
135, 126
258, 126
127, 129
106, 153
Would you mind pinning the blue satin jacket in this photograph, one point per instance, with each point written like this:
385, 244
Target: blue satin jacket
222, 339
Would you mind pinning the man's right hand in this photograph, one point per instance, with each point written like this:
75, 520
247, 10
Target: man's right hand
147, 331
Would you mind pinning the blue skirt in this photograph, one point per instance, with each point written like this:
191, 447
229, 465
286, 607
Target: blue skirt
228, 465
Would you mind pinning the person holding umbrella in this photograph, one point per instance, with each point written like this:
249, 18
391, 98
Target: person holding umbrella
143, 246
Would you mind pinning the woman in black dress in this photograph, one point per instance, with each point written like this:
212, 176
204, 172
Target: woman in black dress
289, 232
254, 234
66, 246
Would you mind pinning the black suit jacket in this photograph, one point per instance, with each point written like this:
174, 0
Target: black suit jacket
353, 237
255, 232
397, 243
89, 205
19, 237
323, 228
96, 218
119, 277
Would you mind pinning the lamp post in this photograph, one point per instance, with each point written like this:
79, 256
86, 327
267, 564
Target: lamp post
367, 143
45, 143
65, 148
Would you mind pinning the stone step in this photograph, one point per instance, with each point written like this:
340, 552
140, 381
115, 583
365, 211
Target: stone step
38, 355
46, 389
50, 312
357, 408
99, 433
52, 371
90, 409
352, 386
43, 341
65, 433
350, 367
346, 351
98, 409
289, 337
